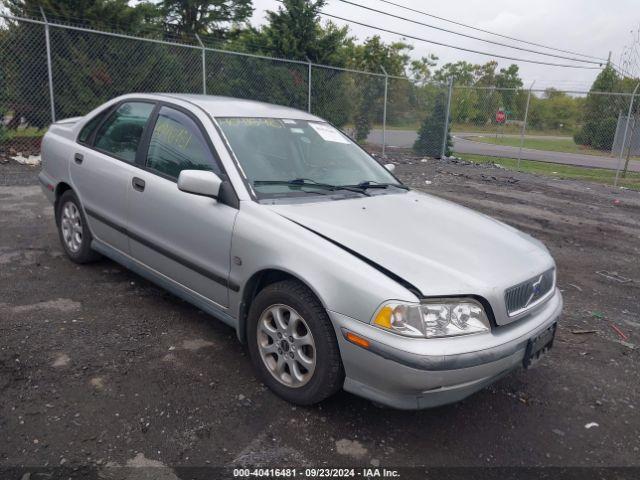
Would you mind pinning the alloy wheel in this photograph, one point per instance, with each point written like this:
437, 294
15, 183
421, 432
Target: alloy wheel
71, 225
286, 345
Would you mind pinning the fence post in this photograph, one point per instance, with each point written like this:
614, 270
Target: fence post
446, 119
524, 124
49, 69
384, 113
624, 137
204, 65
309, 64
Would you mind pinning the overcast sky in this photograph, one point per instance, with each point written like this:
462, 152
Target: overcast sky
592, 27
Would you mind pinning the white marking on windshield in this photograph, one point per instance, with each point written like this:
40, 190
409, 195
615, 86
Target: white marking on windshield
328, 133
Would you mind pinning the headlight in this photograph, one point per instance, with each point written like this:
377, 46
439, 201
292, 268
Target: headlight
433, 318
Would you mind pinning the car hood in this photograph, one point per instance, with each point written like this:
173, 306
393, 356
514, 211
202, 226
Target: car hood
437, 246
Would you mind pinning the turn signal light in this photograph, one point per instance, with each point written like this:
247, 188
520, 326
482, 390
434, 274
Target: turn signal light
383, 319
361, 342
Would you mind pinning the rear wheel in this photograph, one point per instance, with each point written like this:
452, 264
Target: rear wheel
73, 229
292, 344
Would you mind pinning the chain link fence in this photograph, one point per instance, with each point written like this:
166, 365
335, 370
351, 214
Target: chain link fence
51, 71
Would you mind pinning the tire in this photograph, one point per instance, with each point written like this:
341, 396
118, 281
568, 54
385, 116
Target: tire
73, 229
326, 376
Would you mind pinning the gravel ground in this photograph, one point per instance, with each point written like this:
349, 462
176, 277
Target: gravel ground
100, 368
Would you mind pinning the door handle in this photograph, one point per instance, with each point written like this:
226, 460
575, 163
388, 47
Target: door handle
78, 158
138, 184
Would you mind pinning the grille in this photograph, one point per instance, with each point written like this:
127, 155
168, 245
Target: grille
528, 293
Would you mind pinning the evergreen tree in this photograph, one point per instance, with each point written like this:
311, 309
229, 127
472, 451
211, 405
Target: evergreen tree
294, 31
601, 114
431, 132
212, 17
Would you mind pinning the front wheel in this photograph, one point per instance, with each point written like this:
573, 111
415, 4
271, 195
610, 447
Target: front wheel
292, 344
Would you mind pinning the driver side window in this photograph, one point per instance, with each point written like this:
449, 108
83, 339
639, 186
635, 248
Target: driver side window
178, 144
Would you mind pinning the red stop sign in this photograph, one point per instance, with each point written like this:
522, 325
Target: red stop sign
501, 117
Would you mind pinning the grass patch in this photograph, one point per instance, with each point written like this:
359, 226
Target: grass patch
566, 145
511, 129
25, 132
597, 175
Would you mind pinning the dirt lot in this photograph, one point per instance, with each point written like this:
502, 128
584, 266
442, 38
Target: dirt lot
100, 368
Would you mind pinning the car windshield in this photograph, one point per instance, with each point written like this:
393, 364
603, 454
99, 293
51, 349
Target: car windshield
285, 157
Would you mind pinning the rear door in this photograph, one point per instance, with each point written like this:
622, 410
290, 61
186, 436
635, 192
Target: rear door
183, 236
102, 167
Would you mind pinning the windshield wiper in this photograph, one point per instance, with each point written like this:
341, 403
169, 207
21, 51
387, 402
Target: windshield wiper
306, 182
297, 182
373, 184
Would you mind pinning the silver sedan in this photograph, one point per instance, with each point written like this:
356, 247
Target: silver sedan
334, 273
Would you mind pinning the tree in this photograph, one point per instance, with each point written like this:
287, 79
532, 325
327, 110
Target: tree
374, 55
463, 73
295, 31
601, 114
431, 133
188, 18
83, 64
97, 14
420, 70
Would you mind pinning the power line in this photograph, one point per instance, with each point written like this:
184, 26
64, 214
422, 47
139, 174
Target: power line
488, 31
469, 36
539, 62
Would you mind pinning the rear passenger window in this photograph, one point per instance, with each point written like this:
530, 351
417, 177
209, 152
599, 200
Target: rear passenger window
121, 133
178, 144
91, 125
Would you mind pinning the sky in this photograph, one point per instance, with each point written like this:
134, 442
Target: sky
592, 27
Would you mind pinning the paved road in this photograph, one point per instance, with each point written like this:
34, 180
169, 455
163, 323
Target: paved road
461, 144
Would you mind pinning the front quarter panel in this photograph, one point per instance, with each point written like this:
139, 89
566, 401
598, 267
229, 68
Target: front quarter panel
265, 240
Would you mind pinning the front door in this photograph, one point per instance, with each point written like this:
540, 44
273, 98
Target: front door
183, 236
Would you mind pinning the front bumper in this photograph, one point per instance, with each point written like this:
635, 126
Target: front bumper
410, 373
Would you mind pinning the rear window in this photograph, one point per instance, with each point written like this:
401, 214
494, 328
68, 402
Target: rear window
120, 134
87, 130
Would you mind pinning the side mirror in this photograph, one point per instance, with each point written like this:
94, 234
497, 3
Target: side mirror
390, 166
199, 182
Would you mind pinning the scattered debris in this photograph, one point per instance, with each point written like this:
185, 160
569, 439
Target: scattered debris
575, 286
591, 425
613, 276
196, 344
630, 346
428, 182
28, 160
621, 334
558, 432
97, 383
582, 332
62, 360
351, 448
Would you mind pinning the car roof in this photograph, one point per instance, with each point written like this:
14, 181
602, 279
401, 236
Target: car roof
219, 106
